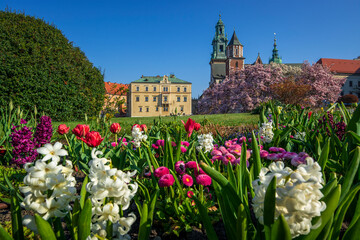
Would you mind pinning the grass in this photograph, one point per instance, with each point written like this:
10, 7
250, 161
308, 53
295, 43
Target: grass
234, 119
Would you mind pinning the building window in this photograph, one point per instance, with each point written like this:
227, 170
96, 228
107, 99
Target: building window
137, 99
166, 89
236, 64
221, 48
165, 99
342, 93
178, 99
350, 92
147, 109
137, 89
184, 89
358, 83
220, 30
165, 109
157, 109
146, 89
146, 99
185, 99
140, 109
181, 108
154, 89
237, 51
350, 83
178, 89
154, 99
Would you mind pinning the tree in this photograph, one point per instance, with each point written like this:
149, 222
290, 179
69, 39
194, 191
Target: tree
39, 66
348, 98
244, 90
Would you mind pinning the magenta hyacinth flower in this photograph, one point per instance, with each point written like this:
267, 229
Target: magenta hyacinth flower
216, 153
187, 180
217, 158
191, 164
183, 149
277, 149
43, 132
185, 143
166, 180
23, 121
274, 156
263, 153
180, 167
203, 179
161, 171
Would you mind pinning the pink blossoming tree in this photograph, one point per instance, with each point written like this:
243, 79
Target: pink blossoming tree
244, 90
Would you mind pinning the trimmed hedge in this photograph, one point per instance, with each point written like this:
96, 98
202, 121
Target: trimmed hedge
39, 66
349, 98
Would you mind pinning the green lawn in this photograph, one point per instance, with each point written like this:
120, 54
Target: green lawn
234, 119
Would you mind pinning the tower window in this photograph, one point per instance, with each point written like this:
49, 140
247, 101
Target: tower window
350, 84
220, 30
236, 64
221, 48
237, 51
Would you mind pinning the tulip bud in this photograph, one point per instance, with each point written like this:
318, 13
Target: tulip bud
115, 128
63, 129
143, 127
11, 105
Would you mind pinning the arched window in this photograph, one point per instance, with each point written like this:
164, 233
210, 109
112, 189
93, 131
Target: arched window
236, 64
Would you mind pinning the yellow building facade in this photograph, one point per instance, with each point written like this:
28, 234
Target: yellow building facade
159, 96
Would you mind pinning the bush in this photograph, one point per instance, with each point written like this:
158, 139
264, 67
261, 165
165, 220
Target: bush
348, 98
39, 66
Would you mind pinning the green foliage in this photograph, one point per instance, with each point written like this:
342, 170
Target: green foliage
39, 66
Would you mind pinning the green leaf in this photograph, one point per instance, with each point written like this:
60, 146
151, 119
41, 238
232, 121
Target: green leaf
256, 156
75, 218
280, 229
353, 229
4, 235
44, 228
241, 225
324, 154
350, 174
85, 220
83, 192
16, 219
269, 207
329, 186
210, 232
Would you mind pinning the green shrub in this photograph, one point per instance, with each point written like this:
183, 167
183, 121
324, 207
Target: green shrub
39, 66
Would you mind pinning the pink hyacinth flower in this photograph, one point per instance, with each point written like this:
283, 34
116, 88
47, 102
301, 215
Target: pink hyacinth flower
203, 179
183, 149
187, 180
180, 167
166, 180
161, 171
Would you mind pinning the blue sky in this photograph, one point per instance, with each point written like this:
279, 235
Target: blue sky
127, 39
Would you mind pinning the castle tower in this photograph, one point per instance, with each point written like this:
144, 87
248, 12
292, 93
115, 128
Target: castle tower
234, 54
275, 55
218, 56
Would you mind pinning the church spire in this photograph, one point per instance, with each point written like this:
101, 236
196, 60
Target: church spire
275, 55
220, 40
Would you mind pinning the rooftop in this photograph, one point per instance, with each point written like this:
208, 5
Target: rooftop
341, 65
158, 79
116, 88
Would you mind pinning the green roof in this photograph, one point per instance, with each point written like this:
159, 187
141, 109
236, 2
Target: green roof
157, 79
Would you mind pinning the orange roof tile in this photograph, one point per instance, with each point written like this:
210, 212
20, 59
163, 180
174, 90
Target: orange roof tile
116, 88
341, 65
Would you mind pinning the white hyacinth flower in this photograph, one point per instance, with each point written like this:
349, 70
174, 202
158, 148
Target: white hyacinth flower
110, 183
138, 136
205, 142
49, 186
266, 132
297, 194
52, 152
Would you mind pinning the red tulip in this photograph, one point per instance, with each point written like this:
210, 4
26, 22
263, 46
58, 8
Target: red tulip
197, 126
309, 115
80, 130
189, 126
143, 127
93, 139
115, 128
63, 129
